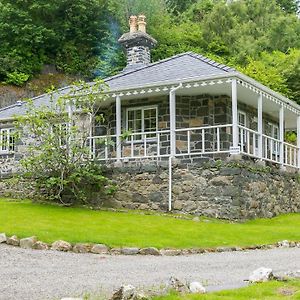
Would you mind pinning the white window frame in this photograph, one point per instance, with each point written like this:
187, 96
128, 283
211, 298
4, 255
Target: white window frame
8, 130
142, 108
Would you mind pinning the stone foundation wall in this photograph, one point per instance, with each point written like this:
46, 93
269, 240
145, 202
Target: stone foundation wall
229, 191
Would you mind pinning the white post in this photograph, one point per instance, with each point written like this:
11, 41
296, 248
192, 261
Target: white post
118, 127
298, 142
260, 125
235, 129
281, 134
172, 104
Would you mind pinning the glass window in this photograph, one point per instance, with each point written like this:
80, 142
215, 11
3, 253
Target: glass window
142, 119
7, 140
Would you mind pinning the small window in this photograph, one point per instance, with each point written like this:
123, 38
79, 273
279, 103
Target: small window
7, 140
61, 131
242, 119
142, 119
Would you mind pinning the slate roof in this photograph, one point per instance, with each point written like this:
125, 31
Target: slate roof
179, 67
176, 68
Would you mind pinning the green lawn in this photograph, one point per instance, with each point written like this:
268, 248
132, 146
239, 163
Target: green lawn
266, 291
50, 222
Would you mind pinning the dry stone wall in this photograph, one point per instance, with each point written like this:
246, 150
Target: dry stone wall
214, 189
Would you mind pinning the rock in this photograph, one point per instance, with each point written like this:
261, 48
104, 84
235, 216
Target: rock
13, 240
82, 248
196, 219
61, 246
261, 275
3, 238
27, 243
156, 197
177, 205
283, 244
197, 288
130, 251
149, 251
115, 251
126, 292
170, 252
40, 246
100, 249
176, 285
71, 298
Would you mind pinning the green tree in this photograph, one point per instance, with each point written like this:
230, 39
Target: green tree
57, 160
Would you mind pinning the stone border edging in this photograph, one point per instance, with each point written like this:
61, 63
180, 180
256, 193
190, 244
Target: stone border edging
34, 243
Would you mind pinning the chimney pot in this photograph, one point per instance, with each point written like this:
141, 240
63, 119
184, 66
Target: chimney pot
142, 23
133, 24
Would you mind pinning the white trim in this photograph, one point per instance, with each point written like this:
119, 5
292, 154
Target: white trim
260, 125
298, 141
281, 134
8, 130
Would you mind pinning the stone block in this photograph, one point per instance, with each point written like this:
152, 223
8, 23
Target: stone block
27, 243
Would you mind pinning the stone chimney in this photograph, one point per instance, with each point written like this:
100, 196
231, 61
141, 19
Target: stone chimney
137, 43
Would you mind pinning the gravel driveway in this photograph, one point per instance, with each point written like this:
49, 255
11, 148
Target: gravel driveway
36, 275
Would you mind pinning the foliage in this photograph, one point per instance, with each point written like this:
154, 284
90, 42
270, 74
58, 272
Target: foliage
134, 229
62, 32
58, 156
17, 78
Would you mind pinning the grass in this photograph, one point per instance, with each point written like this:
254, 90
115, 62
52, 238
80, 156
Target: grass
116, 229
273, 290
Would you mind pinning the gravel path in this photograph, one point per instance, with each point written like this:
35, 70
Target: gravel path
36, 275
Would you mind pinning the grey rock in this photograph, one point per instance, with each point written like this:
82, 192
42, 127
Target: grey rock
3, 238
27, 243
230, 171
130, 251
139, 198
40, 246
149, 251
13, 240
261, 275
170, 252
196, 219
100, 249
197, 288
115, 251
126, 292
156, 197
82, 248
176, 285
61, 246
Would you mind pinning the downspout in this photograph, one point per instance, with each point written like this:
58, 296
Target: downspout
172, 107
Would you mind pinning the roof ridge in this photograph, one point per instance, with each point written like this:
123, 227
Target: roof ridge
211, 62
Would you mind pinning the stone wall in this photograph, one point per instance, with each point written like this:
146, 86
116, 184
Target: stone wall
236, 190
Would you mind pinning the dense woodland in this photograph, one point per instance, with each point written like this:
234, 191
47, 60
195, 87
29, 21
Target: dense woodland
78, 38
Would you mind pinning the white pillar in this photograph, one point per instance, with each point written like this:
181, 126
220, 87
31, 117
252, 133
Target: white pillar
281, 134
118, 127
172, 105
298, 142
260, 125
235, 129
